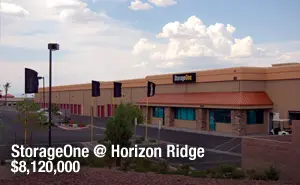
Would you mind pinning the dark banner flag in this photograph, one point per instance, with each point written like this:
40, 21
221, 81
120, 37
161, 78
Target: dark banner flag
117, 89
151, 89
95, 88
31, 81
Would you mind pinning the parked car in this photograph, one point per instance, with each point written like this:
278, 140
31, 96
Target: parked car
60, 117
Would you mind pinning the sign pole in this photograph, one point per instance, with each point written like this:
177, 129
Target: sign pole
92, 119
25, 120
159, 128
146, 132
135, 124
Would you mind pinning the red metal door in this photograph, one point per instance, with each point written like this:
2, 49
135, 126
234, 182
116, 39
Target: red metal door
79, 109
102, 111
71, 108
108, 110
98, 110
75, 108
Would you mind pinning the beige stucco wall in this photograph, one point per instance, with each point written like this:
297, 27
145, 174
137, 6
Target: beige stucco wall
155, 120
184, 124
230, 86
224, 127
285, 95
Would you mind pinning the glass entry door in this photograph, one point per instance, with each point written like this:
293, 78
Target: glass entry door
212, 124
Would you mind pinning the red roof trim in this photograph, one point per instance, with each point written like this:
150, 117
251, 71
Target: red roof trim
211, 98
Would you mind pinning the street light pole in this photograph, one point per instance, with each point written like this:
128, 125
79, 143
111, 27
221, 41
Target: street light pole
44, 98
50, 95
51, 47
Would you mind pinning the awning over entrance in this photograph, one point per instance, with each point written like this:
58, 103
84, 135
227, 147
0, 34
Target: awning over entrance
231, 99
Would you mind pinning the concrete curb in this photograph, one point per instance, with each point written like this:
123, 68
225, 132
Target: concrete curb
72, 128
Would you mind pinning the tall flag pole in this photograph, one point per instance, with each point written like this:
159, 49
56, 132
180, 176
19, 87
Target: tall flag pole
117, 93
95, 93
150, 92
31, 86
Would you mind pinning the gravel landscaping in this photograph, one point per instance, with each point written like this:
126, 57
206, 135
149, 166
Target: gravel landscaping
103, 176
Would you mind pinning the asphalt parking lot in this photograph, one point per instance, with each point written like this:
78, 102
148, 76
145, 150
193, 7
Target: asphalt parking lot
209, 159
218, 149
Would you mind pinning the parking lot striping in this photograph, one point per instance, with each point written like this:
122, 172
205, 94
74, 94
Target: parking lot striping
234, 147
224, 143
209, 150
102, 128
88, 145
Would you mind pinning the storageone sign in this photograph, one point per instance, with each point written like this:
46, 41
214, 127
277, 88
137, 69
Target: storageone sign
184, 78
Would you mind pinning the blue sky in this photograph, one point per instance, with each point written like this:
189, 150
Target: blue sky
265, 21
124, 39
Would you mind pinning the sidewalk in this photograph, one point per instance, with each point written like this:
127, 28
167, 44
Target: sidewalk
192, 131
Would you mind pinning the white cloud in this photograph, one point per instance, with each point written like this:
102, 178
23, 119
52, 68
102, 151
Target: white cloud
195, 44
11, 9
163, 3
139, 5
141, 46
92, 45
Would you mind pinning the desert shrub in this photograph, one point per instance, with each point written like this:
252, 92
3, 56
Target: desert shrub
142, 165
138, 141
163, 167
259, 176
272, 173
184, 170
238, 174
198, 173
126, 164
152, 140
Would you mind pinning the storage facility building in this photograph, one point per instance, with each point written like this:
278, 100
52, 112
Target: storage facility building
240, 100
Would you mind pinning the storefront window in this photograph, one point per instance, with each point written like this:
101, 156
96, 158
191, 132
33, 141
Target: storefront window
158, 112
185, 114
255, 116
222, 115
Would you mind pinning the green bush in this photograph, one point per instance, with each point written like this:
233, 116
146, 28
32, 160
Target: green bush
212, 173
250, 173
126, 164
259, 176
142, 165
225, 171
138, 141
238, 174
272, 174
199, 174
152, 140
184, 170
163, 167
94, 161
141, 138
119, 128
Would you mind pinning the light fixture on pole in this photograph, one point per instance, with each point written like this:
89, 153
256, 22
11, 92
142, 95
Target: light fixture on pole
43, 78
51, 47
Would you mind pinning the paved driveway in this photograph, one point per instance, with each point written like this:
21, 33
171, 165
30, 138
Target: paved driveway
215, 142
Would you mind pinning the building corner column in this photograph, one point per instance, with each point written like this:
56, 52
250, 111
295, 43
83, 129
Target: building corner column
239, 121
169, 117
201, 119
